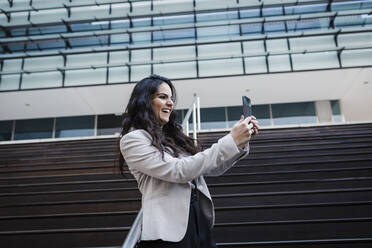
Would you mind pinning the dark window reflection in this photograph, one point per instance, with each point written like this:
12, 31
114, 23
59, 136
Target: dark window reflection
336, 111
294, 113
75, 126
261, 112
109, 124
212, 118
33, 129
6, 130
180, 114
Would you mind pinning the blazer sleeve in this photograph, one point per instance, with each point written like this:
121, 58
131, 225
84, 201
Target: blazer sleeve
142, 156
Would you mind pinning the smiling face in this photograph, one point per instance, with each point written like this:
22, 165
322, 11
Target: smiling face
162, 103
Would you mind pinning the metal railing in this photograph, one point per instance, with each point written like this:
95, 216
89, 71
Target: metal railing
134, 234
195, 110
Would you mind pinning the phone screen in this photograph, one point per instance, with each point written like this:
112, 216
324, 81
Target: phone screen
247, 106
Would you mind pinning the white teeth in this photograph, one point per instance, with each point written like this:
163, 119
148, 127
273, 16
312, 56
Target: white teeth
166, 110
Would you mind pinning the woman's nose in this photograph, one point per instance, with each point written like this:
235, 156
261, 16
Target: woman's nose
170, 102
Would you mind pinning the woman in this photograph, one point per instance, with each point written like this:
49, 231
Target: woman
169, 168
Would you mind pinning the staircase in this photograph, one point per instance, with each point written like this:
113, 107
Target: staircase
299, 187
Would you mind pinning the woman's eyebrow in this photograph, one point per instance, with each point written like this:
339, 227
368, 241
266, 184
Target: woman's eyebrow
164, 94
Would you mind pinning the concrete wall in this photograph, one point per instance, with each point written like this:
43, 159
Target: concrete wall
356, 103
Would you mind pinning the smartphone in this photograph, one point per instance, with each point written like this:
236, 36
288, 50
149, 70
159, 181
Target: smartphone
247, 106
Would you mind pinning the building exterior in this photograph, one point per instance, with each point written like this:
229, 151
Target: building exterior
68, 66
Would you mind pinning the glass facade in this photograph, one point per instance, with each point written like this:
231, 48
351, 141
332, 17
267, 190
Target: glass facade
217, 118
336, 111
109, 124
54, 45
6, 130
299, 113
75, 126
33, 129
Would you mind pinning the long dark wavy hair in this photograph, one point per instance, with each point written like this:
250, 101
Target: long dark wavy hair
139, 114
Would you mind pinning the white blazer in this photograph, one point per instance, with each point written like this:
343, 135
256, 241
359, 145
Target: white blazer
165, 183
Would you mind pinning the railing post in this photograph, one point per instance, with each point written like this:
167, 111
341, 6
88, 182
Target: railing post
194, 122
187, 128
198, 111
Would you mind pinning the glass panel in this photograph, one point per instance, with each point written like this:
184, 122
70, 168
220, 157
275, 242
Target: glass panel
33, 129
89, 41
6, 128
90, 12
119, 57
9, 82
317, 42
271, 27
336, 112
212, 118
49, 44
220, 67
167, 53
41, 80
55, 29
254, 46
12, 65
206, 4
216, 50
249, 13
255, 65
220, 31
294, 113
18, 32
119, 39
85, 77
89, 26
140, 38
49, 15
139, 71
119, 8
179, 115
358, 39
20, 47
179, 19
311, 61
349, 5
109, 124
141, 55
306, 24
119, 24
118, 74
279, 63
174, 34
141, 22
217, 16
358, 57
142, 8
345, 21
272, 11
277, 45
176, 70
76, 126
261, 112
47, 62
86, 59
167, 6
19, 17
302, 9
251, 28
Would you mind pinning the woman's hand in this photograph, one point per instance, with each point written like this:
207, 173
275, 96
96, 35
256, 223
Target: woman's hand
243, 130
